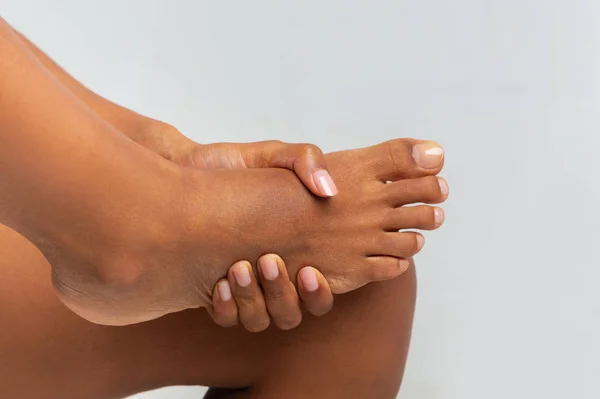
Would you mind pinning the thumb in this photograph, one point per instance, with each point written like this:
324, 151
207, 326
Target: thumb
306, 160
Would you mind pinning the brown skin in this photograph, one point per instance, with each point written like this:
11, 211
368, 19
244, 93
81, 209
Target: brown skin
46, 352
282, 300
153, 237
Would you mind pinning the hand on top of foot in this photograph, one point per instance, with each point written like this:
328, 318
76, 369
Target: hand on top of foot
254, 302
352, 238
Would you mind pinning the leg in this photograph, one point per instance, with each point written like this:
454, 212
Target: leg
358, 350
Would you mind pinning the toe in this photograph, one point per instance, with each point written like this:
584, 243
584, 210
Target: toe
415, 217
428, 190
248, 297
382, 268
400, 245
408, 158
279, 292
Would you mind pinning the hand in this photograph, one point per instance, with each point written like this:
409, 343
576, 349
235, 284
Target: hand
306, 160
242, 297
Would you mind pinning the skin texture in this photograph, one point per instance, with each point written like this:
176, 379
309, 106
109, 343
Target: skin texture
358, 350
279, 302
153, 237
67, 357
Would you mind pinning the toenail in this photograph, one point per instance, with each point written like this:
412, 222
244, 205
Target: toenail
268, 266
403, 264
224, 291
428, 155
325, 183
420, 241
242, 275
443, 187
309, 279
439, 216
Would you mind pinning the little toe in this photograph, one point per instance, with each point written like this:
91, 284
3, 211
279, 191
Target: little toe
248, 297
420, 217
408, 158
428, 190
382, 268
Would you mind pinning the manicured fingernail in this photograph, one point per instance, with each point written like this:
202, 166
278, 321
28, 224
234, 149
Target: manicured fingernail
224, 291
404, 264
443, 187
309, 279
325, 183
242, 275
268, 266
439, 216
420, 241
428, 155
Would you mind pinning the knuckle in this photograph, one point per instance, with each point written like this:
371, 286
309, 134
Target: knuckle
397, 153
275, 295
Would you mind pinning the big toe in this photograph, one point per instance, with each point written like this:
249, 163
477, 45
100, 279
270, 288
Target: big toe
407, 158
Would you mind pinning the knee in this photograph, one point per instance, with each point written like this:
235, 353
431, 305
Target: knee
357, 350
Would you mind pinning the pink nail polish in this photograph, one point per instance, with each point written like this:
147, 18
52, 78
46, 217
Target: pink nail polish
309, 279
224, 291
325, 183
242, 275
268, 266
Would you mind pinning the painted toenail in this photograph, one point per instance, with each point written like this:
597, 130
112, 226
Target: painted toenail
224, 291
420, 241
428, 155
242, 275
443, 187
268, 266
325, 183
309, 279
439, 216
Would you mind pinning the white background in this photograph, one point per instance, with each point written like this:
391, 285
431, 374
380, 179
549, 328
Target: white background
508, 304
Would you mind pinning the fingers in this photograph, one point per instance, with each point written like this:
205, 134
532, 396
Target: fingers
251, 305
306, 160
314, 291
279, 292
224, 311
240, 298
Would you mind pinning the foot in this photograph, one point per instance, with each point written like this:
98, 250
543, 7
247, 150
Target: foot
135, 265
352, 239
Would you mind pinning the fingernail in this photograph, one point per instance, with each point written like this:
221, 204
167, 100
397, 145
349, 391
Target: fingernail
242, 275
224, 291
325, 183
404, 265
439, 216
443, 187
309, 279
428, 155
268, 266
420, 241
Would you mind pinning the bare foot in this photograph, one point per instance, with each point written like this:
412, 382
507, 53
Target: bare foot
352, 239
223, 216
